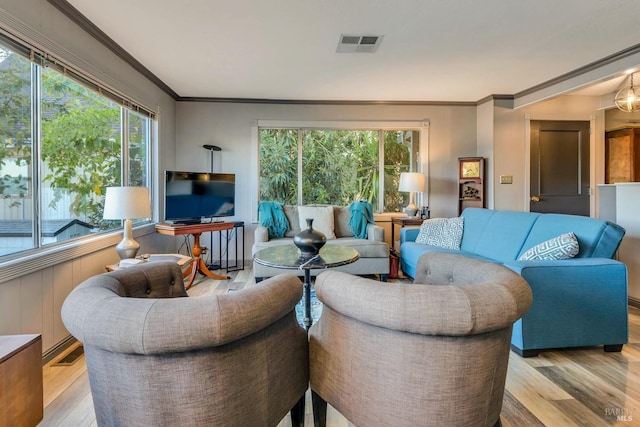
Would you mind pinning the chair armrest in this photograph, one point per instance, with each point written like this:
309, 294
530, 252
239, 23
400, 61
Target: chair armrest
409, 233
426, 309
574, 297
98, 316
261, 234
581, 276
563, 264
375, 232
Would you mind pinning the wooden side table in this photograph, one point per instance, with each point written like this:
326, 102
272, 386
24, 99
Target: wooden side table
198, 265
402, 221
181, 260
21, 398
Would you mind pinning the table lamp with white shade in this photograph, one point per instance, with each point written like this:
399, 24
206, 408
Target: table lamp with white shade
411, 182
126, 203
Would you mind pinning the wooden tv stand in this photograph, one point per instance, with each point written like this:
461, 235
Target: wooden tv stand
198, 265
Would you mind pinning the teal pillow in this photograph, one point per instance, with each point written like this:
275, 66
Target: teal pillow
564, 246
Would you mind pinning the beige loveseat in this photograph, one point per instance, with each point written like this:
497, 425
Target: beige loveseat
374, 252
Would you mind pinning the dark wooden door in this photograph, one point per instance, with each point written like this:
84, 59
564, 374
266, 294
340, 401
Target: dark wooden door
560, 167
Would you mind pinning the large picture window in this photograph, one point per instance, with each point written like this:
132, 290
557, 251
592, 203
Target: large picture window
61, 144
328, 166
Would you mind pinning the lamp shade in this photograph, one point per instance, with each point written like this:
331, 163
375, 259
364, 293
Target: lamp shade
412, 181
127, 203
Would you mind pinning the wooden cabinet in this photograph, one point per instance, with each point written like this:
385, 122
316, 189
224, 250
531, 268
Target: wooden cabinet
21, 399
471, 186
622, 155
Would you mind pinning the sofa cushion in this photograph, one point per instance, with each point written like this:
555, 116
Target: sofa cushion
564, 246
442, 232
411, 251
366, 248
498, 235
597, 238
291, 211
323, 220
341, 218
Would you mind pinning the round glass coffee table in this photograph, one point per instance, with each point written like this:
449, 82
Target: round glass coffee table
288, 257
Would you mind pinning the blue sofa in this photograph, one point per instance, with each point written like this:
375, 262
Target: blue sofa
577, 302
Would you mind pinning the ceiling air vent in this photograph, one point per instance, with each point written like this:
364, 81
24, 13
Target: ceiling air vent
351, 43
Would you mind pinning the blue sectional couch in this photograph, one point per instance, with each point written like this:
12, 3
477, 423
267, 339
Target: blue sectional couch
577, 302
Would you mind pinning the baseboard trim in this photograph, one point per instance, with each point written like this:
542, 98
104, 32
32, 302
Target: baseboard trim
54, 351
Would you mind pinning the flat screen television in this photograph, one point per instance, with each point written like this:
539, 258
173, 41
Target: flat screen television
191, 196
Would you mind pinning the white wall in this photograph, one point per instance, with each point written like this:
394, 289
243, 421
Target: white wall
511, 145
452, 134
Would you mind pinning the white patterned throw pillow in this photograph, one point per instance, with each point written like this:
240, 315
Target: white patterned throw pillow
564, 246
442, 232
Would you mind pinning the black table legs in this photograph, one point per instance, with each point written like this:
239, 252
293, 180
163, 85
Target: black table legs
307, 299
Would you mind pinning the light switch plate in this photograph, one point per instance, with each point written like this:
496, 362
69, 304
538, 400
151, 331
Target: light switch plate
506, 179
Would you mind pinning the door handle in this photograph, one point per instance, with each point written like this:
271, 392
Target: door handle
535, 198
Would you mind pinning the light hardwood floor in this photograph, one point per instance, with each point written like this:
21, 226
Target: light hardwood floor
585, 387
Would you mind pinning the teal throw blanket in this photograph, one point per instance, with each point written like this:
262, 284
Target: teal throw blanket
361, 215
272, 217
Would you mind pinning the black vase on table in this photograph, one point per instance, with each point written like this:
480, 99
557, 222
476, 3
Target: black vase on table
309, 241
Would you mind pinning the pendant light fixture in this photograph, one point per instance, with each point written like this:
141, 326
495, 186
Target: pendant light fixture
628, 99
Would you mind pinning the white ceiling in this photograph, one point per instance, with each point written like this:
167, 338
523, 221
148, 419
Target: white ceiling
433, 50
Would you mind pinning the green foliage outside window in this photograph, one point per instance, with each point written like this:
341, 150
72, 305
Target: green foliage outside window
337, 167
399, 146
15, 126
279, 165
80, 145
138, 149
80, 150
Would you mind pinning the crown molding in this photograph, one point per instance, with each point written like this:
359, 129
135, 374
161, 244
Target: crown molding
633, 50
320, 101
504, 100
74, 15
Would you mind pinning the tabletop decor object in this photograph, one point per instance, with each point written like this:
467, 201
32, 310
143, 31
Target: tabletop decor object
411, 182
126, 203
309, 241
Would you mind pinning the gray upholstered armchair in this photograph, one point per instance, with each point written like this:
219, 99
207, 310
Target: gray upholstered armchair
158, 358
409, 354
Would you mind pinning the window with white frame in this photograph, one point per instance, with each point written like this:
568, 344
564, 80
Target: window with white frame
62, 142
304, 165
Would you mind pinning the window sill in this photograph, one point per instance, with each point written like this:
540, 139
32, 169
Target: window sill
37, 259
